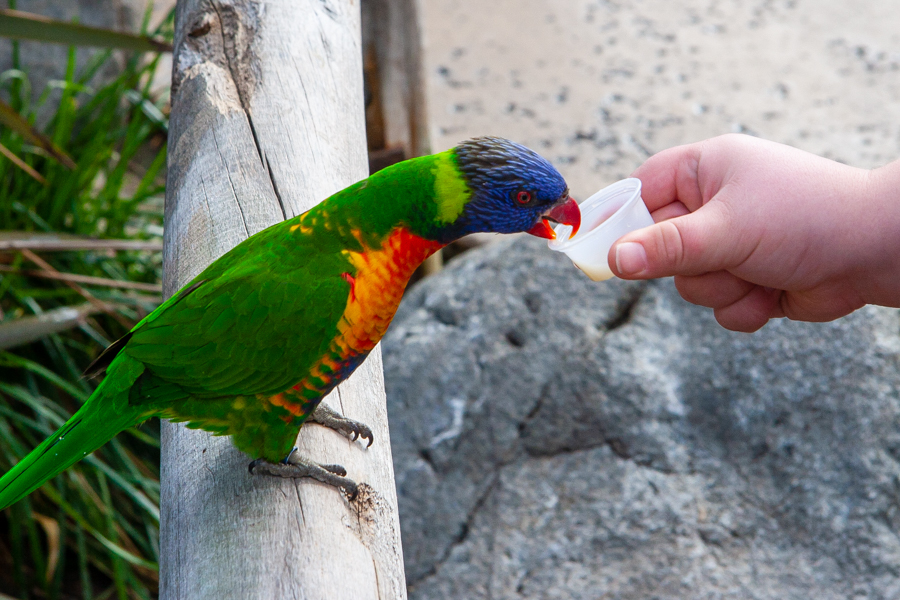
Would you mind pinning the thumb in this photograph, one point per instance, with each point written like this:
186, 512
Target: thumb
692, 244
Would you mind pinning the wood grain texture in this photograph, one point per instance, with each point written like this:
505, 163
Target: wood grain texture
267, 120
392, 33
393, 29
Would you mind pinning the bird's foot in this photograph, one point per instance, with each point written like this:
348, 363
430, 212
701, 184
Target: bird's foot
295, 467
324, 415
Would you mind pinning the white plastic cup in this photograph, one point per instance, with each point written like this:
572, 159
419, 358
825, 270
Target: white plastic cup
605, 217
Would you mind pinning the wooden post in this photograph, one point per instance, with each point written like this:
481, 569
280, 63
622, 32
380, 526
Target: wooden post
267, 120
392, 45
392, 34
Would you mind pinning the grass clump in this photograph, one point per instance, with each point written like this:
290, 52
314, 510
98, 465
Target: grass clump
92, 532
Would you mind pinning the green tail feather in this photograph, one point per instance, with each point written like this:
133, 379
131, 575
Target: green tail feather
93, 425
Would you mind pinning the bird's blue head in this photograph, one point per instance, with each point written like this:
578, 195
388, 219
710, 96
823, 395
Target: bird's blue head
512, 189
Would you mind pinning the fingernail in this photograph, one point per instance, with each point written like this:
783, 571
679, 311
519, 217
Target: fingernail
631, 258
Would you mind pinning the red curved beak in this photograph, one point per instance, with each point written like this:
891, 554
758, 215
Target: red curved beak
566, 213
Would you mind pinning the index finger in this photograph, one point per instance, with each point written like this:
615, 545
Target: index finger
671, 176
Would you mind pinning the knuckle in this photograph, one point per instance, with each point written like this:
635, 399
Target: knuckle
671, 244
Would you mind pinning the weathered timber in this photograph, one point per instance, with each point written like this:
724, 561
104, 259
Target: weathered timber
267, 120
392, 40
398, 120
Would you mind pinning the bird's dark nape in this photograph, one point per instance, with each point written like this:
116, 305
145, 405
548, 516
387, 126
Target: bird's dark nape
485, 160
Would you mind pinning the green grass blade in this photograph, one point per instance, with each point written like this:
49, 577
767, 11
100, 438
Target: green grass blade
138, 496
115, 132
117, 550
18, 123
20, 25
11, 360
83, 572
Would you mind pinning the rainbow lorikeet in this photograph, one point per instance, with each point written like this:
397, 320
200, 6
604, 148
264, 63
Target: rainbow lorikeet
255, 341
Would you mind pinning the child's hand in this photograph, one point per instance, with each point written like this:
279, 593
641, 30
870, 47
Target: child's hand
758, 230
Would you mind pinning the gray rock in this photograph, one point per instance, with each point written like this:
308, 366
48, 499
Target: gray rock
559, 438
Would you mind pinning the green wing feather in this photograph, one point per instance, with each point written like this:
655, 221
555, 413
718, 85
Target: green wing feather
236, 333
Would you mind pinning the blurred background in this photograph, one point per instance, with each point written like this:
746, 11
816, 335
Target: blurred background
599, 86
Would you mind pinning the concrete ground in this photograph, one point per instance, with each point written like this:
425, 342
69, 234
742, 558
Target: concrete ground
599, 85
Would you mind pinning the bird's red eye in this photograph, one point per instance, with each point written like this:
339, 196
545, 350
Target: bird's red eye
523, 197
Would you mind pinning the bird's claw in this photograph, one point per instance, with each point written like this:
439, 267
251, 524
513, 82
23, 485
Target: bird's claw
323, 415
295, 467
359, 430
336, 469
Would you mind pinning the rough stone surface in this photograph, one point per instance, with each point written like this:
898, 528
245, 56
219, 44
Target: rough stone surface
559, 438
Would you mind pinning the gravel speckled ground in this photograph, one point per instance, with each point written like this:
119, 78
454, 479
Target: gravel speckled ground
597, 86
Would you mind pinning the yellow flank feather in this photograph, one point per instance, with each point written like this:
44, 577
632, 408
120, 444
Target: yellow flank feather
304, 229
